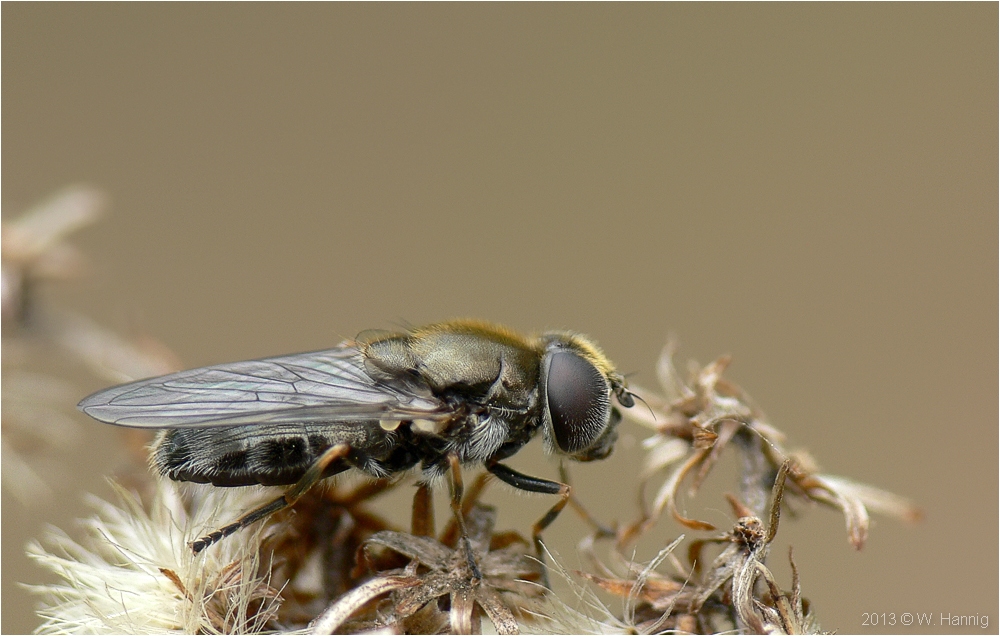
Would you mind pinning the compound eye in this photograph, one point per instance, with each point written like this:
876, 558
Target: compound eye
578, 403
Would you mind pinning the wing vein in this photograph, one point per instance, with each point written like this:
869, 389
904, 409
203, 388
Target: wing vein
329, 386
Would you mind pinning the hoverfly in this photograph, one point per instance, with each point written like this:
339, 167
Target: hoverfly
441, 396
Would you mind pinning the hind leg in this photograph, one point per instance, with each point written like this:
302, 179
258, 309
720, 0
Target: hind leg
312, 475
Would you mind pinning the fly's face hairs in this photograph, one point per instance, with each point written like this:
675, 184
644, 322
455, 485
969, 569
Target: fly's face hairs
441, 396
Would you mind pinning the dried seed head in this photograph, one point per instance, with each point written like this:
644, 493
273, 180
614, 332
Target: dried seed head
699, 417
440, 586
134, 574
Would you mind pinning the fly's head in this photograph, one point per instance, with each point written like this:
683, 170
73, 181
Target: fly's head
578, 382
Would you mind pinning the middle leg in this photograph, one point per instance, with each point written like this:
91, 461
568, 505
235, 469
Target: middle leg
457, 490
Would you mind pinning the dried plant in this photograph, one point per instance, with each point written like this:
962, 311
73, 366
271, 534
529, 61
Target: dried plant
695, 421
134, 573
35, 250
314, 554
729, 597
334, 563
444, 587
39, 421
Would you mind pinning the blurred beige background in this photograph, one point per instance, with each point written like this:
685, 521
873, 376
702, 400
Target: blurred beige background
811, 188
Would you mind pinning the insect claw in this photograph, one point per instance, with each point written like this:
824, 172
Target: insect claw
201, 544
214, 537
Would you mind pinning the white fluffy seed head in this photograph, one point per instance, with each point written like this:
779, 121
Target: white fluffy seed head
135, 573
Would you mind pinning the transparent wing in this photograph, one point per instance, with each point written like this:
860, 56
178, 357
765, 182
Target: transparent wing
320, 386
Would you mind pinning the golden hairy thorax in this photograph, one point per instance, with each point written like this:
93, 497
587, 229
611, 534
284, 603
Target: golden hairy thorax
456, 351
465, 353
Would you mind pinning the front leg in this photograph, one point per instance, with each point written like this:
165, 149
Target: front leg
535, 484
